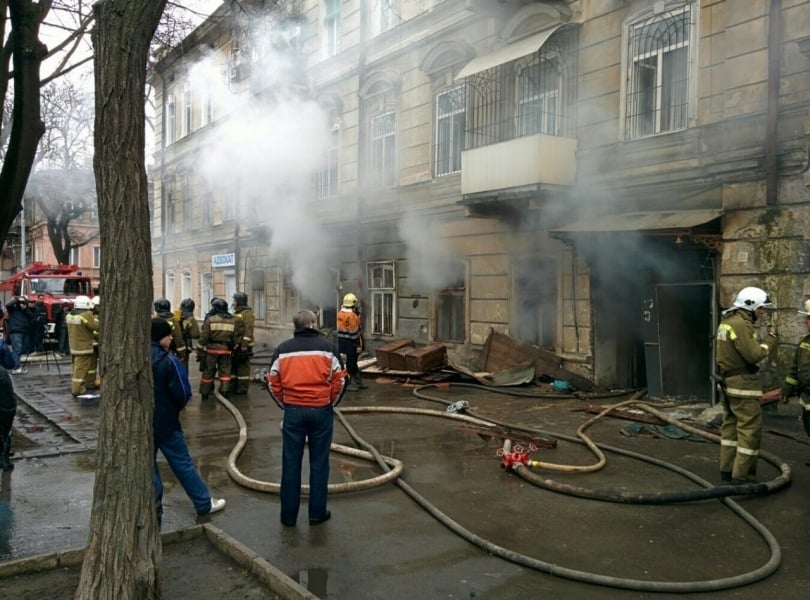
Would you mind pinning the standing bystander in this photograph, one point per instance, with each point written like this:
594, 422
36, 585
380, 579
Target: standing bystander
172, 392
307, 381
19, 329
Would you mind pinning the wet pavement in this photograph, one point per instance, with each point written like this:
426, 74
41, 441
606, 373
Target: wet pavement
381, 543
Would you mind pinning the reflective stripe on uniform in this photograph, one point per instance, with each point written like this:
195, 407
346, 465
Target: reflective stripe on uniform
743, 393
747, 451
731, 443
725, 331
217, 326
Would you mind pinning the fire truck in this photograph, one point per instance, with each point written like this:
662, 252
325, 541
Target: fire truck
58, 284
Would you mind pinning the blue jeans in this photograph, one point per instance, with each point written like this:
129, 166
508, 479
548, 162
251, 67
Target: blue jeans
175, 450
312, 427
17, 340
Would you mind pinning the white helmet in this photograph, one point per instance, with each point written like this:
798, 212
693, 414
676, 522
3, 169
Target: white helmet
83, 303
806, 311
752, 298
95, 301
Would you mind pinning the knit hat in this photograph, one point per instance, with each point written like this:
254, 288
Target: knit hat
160, 329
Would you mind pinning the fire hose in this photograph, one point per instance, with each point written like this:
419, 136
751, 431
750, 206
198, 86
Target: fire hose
386, 463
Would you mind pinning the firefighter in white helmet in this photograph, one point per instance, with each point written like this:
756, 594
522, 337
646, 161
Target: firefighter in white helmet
797, 381
350, 338
739, 349
82, 327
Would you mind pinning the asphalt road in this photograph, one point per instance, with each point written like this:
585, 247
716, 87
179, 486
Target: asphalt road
382, 543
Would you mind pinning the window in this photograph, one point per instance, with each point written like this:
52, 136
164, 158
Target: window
259, 301
96, 257
170, 286
207, 115
538, 93
386, 15
207, 204
382, 287
206, 290
187, 108
188, 208
185, 285
170, 119
171, 204
383, 141
331, 27
73, 256
451, 109
656, 98
328, 178
450, 309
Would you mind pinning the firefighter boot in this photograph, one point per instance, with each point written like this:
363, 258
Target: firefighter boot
359, 382
5, 451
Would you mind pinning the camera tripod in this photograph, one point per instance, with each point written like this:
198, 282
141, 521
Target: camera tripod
47, 346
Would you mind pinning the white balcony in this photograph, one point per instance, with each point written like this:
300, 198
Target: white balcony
528, 160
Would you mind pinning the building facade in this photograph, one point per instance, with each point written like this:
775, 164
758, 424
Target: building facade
594, 177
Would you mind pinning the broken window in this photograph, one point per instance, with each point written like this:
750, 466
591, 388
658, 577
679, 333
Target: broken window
451, 117
382, 291
656, 98
259, 301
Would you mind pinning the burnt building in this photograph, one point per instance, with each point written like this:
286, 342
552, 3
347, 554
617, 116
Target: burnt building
594, 177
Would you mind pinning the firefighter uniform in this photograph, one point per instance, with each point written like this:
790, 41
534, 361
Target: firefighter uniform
244, 350
82, 327
350, 338
220, 334
739, 349
190, 330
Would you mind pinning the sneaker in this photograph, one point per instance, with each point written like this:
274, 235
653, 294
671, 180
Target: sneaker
217, 504
19, 371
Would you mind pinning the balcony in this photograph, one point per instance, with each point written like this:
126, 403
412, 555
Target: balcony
524, 161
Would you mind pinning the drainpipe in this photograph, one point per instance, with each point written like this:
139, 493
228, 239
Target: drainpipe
362, 146
163, 192
771, 140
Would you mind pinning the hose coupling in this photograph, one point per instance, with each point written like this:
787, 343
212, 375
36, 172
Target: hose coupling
459, 406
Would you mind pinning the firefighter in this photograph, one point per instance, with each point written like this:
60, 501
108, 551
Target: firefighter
188, 326
739, 349
797, 381
163, 309
350, 339
82, 327
244, 350
220, 334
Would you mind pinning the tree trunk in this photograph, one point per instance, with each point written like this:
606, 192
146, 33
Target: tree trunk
26, 123
123, 550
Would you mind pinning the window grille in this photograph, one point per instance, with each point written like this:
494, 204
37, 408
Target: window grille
531, 95
382, 289
451, 118
656, 99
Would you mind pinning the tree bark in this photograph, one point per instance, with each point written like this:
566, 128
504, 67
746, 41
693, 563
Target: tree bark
123, 550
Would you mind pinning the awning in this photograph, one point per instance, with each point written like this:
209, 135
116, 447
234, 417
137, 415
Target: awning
642, 221
507, 53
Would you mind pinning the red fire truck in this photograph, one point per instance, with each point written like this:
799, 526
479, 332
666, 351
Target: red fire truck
58, 284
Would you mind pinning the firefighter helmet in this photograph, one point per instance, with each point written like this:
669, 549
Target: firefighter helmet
95, 301
240, 299
806, 311
83, 303
162, 305
349, 300
752, 298
187, 305
218, 304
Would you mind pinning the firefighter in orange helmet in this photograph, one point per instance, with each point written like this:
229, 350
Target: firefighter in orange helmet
350, 338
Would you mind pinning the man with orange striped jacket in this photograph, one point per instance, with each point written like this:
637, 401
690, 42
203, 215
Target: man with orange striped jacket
307, 380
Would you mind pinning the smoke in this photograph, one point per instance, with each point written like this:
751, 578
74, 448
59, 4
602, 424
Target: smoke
431, 264
266, 155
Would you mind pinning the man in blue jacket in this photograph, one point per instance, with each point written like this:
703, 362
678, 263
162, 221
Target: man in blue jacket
172, 392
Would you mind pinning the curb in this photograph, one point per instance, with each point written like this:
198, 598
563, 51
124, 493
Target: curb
274, 579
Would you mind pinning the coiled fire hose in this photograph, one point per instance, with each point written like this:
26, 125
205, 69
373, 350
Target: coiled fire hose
536, 564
